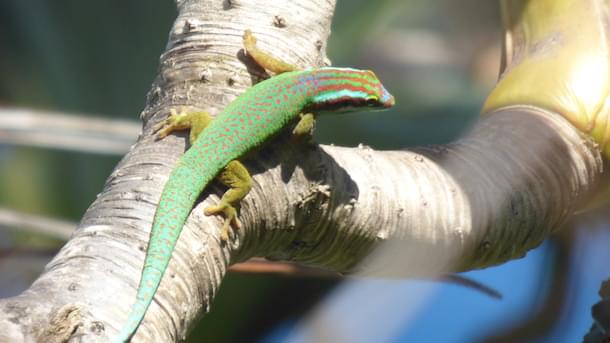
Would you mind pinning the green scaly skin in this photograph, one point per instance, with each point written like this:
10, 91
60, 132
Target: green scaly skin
246, 123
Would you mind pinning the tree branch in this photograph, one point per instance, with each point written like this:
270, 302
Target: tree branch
480, 201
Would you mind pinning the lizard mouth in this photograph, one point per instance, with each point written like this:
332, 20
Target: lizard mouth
387, 100
387, 103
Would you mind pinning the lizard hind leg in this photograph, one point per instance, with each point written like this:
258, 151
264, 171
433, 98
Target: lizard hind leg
263, 58
236, 177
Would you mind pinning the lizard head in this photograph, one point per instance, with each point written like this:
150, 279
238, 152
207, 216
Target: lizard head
345, 89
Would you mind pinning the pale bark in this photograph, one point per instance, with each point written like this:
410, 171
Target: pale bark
483, 200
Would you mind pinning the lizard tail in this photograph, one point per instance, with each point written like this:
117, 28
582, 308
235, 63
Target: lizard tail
177, 199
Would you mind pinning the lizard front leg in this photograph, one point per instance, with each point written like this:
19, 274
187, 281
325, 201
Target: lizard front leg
265, 59
196, 122
305, 126
234, 175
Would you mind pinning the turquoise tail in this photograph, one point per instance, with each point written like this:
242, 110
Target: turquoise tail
151, 278
177, 199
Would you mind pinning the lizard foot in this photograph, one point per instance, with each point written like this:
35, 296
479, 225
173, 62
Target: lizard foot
230, 214
174, 122
303, 131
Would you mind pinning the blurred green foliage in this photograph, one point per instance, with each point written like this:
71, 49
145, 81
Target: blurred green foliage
95, 57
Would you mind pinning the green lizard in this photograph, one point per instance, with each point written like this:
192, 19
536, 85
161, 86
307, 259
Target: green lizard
246, 123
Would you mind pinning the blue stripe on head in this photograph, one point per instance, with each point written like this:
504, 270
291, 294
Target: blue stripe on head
326, 97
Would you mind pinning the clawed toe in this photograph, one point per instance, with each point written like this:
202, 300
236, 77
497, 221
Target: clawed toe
170, 124
230, 219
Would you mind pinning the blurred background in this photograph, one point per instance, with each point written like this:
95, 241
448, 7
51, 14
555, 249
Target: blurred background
440, 58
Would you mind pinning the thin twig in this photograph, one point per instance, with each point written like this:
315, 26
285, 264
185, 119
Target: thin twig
56, 228
259, 265
28, 127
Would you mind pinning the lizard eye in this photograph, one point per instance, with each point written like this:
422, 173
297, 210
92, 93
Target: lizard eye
372, 101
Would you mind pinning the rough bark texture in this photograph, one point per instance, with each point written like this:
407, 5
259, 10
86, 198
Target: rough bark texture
481, 201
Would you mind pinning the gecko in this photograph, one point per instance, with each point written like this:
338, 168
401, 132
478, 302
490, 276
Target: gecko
246, 123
